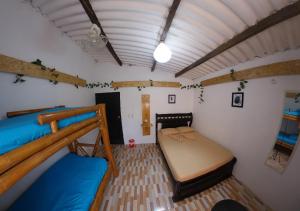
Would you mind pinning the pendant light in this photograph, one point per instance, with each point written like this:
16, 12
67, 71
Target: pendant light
162, 53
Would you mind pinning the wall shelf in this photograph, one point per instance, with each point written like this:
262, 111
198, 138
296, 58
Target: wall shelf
16, 66
149, 83
276, 69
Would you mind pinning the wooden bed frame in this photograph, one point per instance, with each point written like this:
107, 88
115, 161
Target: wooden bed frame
185, 189
15, 164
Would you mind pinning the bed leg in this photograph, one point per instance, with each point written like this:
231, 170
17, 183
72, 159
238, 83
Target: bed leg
176, 195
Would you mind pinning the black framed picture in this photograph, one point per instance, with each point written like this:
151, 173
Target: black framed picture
237, 99
171, 99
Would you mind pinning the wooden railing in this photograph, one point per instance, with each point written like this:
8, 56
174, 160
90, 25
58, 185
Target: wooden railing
17, 163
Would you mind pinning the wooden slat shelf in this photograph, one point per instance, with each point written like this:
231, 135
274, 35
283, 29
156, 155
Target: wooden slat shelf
275, 69
16, 66
121, 84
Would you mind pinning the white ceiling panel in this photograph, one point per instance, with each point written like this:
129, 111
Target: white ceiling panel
134, 27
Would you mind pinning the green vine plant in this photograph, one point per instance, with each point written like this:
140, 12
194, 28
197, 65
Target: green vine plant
242, 84
109, 85
19, 79
39, 63
201, 100
140, 88
76, 85
195, 86
143, 87
54, 75
100, 84
44, 68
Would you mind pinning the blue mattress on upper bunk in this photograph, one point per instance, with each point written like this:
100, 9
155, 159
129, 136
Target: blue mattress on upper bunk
292, 113
70, 184
17, 131
287, 138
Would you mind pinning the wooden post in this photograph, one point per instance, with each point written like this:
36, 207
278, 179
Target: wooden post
96, 146
54, 126
54, 129
105, 138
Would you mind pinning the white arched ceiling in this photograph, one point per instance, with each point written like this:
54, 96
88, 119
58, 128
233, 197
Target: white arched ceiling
134, 27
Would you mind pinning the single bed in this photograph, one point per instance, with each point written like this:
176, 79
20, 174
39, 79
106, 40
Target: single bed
195, 163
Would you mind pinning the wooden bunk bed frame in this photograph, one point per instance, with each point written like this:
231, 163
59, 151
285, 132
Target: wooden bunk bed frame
185, 189
15, 164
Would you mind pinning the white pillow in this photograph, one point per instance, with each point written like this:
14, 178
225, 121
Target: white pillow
169, 131
184, 129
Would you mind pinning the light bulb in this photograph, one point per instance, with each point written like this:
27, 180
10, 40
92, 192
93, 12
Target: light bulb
162, 53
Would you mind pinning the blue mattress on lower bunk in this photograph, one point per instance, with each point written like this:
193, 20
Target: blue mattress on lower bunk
292, 113
17, 131
289, 139
70, 184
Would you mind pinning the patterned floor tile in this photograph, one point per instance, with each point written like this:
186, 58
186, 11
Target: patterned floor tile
144, 184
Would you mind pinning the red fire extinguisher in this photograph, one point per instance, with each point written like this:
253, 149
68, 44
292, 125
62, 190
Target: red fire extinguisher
131, 143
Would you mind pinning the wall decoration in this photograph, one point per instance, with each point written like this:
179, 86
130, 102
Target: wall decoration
37, 70
287, 136
237, 99
171, 99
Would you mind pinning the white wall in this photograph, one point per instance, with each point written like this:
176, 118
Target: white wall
250, 132
26, 35
131, 110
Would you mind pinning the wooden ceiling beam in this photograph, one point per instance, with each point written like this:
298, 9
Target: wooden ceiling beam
279, 16
169, 20
94, 19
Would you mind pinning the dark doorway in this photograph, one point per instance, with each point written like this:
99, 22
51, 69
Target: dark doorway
113, 112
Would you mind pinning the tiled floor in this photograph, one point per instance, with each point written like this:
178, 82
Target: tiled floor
143, 184
277, 160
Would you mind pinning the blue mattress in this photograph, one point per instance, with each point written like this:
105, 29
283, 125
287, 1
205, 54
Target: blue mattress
17, 131
70, 184
292, 113
289, 139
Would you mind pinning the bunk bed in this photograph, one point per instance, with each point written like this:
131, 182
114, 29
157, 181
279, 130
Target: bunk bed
30, 137
194, 162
